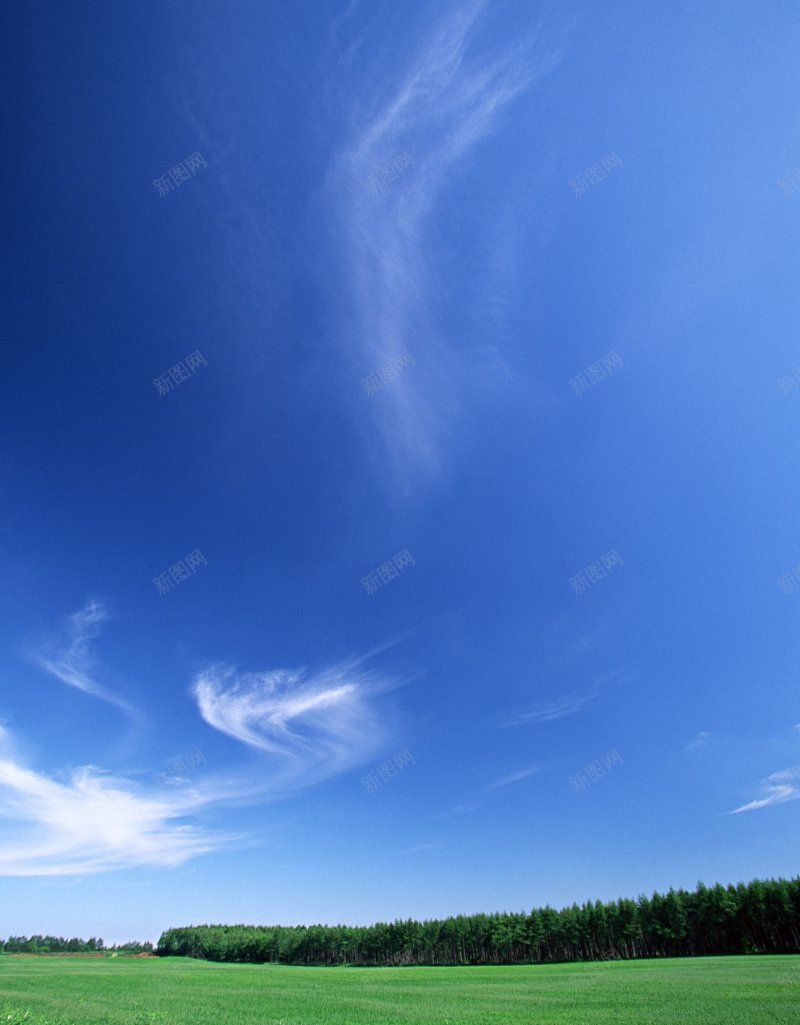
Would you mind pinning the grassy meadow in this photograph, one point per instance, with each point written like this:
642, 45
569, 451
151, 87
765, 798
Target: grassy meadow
761, 990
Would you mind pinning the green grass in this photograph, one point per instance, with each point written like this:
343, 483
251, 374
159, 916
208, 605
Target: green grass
175, 991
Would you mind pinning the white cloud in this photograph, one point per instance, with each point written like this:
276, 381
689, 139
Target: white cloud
552, 710
419, 848
313, 725
71, 660
700, 740
480, 799
93, 822
779, 787
448, 99
458, 809
515, 777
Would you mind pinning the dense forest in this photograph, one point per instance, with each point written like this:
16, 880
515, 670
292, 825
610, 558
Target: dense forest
757, 917
58, 945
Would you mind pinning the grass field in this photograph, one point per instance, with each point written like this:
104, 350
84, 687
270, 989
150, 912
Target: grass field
707, 991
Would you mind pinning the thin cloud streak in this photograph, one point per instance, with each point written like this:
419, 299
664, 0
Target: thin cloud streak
700, 740
447, 101
507, 781
480, 799
779, 787
95, 822
312, 725
73, 662
551, 711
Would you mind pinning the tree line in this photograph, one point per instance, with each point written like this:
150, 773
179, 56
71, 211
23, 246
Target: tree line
762, 916
58, 945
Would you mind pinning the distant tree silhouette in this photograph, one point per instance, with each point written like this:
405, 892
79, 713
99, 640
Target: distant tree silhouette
758, 917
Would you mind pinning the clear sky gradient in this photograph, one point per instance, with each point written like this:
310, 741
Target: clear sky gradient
504, 292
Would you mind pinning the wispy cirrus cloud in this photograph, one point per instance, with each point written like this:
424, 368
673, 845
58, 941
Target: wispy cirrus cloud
507, 781
700, 740
549, 711
70, 659
485, 792
313, 725
779, 787
448, 97
94, 822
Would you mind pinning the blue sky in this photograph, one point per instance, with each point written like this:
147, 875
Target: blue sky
473, 494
